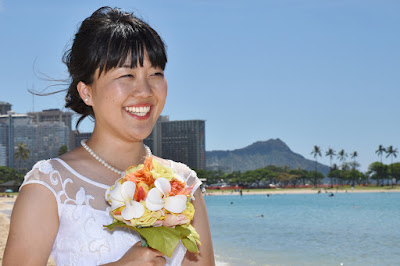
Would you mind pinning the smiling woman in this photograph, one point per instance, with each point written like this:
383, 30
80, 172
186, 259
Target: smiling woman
116, 64
120, 96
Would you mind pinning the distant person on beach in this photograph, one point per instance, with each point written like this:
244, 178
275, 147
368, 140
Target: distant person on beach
116, 66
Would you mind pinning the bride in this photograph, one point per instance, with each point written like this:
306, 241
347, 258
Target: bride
116, 64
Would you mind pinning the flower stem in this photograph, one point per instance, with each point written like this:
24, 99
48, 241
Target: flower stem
144, 242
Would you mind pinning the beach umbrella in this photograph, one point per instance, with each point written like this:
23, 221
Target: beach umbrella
8, 190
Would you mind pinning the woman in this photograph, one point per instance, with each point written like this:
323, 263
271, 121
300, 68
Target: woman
116, 64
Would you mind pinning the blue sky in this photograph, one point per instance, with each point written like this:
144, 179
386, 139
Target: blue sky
317, 72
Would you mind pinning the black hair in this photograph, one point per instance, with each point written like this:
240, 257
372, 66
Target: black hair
105, 40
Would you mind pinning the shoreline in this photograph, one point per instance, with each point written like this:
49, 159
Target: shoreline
279, 191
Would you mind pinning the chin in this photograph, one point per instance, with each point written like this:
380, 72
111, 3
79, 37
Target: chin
141, 135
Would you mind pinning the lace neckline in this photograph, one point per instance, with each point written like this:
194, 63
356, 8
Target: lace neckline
84, 178
95, 183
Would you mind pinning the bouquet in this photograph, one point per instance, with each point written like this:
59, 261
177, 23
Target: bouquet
154, 201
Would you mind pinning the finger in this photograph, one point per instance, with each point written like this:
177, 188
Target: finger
156, 252
160, 260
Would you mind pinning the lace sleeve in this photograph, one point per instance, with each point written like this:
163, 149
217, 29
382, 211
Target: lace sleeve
187, 174
43, 173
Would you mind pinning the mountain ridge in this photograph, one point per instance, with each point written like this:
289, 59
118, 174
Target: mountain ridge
258, 155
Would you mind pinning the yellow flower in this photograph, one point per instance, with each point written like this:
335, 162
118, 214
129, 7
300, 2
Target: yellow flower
160, 170
189, 211
148, 218
132, 169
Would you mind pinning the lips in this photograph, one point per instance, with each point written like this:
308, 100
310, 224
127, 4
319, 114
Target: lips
139, 111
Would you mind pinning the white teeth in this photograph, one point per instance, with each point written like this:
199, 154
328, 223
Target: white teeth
139, 111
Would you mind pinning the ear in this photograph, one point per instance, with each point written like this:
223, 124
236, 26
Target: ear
85, 92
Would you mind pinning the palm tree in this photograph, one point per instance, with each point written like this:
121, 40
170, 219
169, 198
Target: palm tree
342, 157
331, 152
390, 151
353, 156
316, 152
22, 153
380, 151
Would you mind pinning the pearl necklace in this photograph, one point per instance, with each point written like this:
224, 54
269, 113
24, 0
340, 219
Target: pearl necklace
109, 167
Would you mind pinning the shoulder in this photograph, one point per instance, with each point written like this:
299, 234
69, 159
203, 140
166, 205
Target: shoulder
45, 173
42, 168
33, 226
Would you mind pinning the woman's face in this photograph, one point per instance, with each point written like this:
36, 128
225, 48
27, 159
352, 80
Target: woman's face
128, 101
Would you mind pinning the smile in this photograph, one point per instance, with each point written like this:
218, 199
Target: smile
138, 111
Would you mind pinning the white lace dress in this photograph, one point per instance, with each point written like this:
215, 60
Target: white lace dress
82, 212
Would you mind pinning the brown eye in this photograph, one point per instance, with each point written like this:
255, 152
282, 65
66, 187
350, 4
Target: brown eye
127, 76
158, 74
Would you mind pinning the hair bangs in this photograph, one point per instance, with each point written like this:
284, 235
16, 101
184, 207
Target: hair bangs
130, 45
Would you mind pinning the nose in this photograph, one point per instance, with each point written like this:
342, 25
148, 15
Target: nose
142, 88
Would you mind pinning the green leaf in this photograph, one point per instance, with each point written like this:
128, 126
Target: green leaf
193, 232
115, 224
164, 239
183, 231
190, 244
191, 239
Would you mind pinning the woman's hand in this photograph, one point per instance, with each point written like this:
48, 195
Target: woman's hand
138, 255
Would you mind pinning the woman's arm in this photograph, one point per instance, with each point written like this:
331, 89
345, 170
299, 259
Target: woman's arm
33, 227
200, 222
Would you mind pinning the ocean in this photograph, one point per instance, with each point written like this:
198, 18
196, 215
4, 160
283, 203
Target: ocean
306, 229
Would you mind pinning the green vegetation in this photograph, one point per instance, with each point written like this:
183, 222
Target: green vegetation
263, 177
63, 149
268, 190
346, 174
21, 154
10, 174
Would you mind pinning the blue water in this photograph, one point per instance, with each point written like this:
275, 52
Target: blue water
306, 229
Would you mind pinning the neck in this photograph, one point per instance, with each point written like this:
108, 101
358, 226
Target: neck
117, 152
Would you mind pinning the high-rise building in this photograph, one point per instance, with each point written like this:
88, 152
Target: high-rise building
7, 129
4, 108
3, 155
182, 141
43, 139
45, 132
75, 138
52, 115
